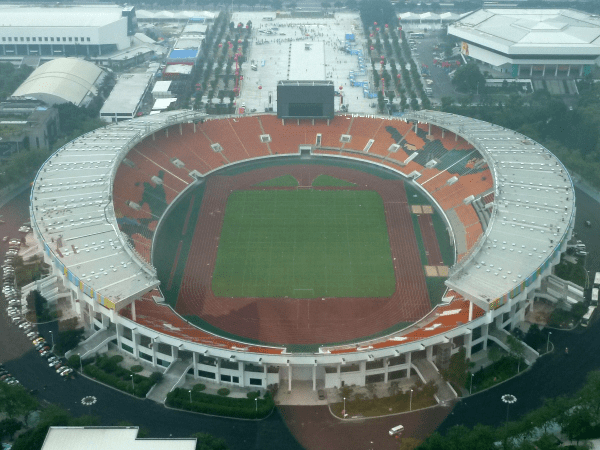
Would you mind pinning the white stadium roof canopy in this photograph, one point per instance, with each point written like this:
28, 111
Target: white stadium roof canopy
61, 80
72, 211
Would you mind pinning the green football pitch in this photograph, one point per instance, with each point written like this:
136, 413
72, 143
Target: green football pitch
304, 244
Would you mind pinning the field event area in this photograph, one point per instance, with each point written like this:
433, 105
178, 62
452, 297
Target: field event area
304, 244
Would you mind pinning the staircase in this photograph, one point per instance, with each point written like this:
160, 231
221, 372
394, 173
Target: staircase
174, 376
430, 373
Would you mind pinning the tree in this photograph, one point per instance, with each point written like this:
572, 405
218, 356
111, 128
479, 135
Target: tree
409, 443
517, 349
16, 401
325, 5
68, 340
8, 427
338, 4
207, 441
380, 11
457, 369
468, 78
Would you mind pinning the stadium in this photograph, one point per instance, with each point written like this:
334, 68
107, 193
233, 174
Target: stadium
254, 250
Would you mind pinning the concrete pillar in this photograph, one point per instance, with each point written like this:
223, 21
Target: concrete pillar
470, 311
468, 340
484, 333
443, 133
134, 339
195, 364
429, 132
133, 311
167, 131
174, 352
314, 377
241, 370
429, 353
339, 374
581, 70
569, 70
409, 362
363, 372
544, 71
556, 71
194, 127
105, 321
180, 129
218, 372
289, 378
416, 126
154, 345
386, 369
455, 137
118, 327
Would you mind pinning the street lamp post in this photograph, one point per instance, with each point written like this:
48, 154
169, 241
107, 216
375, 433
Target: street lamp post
344, 413
132, 385
256, 403
548, 342
509, 399
190, 396
471, 388
410, 403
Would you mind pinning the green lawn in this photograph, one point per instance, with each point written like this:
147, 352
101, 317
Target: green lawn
327, 180
304, 244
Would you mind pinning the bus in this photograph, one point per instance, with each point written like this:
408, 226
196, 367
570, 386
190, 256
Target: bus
597, 279
595, 296
585, 320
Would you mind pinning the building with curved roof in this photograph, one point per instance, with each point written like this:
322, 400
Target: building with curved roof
530, 42
62, 80
507, 203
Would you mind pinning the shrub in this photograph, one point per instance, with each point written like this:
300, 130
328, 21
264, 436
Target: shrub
156, 377
253, 395
116, 358
136, 368
198, 387
74, 361
223, 392
218, 405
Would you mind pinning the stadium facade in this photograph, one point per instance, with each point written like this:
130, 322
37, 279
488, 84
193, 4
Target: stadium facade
531, 42
490, 288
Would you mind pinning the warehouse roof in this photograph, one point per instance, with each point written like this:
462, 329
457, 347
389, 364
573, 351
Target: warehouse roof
59, 16
61, 80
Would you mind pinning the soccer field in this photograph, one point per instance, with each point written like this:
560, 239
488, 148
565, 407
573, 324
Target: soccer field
304, 244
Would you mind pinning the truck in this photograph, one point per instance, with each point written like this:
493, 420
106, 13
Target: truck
594, 297
597, 279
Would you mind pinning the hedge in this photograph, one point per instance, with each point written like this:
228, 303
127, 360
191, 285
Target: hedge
110, 373
243, 408
136, 369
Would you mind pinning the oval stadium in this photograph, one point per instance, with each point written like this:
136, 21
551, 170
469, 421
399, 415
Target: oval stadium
252, 250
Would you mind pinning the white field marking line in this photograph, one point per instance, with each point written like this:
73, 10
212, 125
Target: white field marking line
448, 168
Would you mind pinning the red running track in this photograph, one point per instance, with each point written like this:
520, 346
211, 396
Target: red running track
304, 321
432, 247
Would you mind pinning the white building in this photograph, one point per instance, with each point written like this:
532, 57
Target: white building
115, 438
58, 30
531, 42
126, 97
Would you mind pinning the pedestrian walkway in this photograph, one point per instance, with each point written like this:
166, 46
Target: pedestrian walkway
430, 373
171, 378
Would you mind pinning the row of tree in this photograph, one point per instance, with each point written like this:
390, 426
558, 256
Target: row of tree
577, 417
